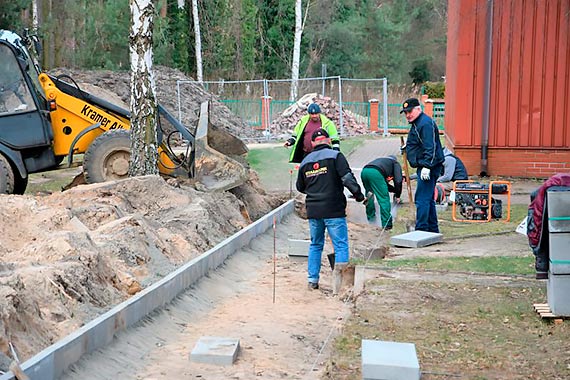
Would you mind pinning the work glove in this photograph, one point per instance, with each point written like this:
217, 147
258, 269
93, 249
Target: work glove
403, 149
424, 175
367, 199
359, 197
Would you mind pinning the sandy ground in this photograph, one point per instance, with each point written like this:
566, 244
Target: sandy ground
286, 337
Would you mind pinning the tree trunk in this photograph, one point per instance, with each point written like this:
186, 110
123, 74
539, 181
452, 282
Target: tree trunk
35, 16
198, 39
296, 50
144, 115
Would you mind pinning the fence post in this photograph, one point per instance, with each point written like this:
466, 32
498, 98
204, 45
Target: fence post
265, 117
385, 105
428, 106
340, 118
373, 120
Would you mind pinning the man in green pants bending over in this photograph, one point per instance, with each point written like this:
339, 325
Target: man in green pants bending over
376, 177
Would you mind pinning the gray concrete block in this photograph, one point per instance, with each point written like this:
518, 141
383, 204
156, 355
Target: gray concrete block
416, 239
558, 203
383, 360
559, 254
298, 247
215, 350
557, 292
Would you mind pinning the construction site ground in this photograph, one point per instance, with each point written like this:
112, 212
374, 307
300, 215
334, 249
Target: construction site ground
70, 256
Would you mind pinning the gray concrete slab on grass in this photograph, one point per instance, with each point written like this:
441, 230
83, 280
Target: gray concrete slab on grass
416, 239
382, 360
215, 350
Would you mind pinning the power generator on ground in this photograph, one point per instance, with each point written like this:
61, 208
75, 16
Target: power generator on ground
477, 202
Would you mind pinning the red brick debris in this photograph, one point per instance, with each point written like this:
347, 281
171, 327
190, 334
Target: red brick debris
353, 124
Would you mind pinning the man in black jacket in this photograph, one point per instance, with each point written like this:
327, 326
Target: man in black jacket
323, 174
424, 152
376, 177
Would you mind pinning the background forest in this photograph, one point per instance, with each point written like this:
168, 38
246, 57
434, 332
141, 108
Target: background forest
403, 40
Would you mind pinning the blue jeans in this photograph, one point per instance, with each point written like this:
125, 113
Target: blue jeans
426, 215
338, 231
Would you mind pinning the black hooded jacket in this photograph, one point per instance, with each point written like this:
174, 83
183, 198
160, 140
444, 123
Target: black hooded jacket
323, 174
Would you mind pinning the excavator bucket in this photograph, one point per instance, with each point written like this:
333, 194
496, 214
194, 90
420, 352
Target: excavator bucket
214, 170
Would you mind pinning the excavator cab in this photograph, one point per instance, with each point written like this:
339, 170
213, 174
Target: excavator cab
25, 130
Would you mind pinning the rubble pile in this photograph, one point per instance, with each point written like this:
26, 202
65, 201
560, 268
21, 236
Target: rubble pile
283, 125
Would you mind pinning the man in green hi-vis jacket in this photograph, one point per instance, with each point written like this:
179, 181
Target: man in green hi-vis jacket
310, 123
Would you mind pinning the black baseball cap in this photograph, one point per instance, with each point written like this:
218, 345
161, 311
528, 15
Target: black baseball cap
319, 134
409, 104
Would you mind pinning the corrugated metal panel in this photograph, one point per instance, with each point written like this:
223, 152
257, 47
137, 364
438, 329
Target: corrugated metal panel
530, 73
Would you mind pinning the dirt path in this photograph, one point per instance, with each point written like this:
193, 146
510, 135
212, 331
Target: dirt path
278, 340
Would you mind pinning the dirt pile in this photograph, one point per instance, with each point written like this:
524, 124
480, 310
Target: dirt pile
285, 123
166, 79
67, 257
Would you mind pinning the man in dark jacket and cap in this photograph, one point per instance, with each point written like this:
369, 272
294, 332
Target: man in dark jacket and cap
323, 175
376, 177
424, 152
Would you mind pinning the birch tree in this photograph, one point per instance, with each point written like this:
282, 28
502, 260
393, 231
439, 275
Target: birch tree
198, 40
296, 50
144, 114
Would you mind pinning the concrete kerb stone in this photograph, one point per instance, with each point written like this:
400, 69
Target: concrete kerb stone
50, 363
215, 350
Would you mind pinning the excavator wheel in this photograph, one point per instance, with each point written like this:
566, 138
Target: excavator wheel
6, 176
20, 184
107, 158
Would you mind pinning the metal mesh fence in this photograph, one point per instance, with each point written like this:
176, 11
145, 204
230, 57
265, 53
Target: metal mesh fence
353, 96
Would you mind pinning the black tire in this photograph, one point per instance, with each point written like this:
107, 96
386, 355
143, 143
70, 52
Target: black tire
6, 176
20, 184
107, 158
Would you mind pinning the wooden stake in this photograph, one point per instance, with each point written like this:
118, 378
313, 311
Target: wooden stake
407, 172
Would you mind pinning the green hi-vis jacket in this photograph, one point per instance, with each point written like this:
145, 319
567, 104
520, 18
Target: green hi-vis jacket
296, 140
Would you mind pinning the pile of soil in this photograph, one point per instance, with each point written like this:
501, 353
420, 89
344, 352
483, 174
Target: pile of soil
285, 123
70, 256
101, 82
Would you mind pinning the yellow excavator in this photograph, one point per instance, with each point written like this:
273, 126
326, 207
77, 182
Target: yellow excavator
44, 119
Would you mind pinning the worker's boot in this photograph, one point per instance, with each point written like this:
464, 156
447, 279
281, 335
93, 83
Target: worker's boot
338, 271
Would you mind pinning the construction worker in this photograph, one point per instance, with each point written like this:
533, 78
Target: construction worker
301, 138
323, 174
376, 177
424, 152
453, 170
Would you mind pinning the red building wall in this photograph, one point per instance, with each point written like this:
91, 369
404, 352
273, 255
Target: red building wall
529, 99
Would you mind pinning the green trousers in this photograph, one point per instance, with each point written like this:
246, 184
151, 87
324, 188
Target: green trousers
375, 182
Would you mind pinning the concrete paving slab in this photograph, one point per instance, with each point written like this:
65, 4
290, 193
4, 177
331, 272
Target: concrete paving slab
416, 239
382, 360
298, 247
215, 350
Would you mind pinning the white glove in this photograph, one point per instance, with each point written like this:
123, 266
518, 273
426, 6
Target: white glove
424, 175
